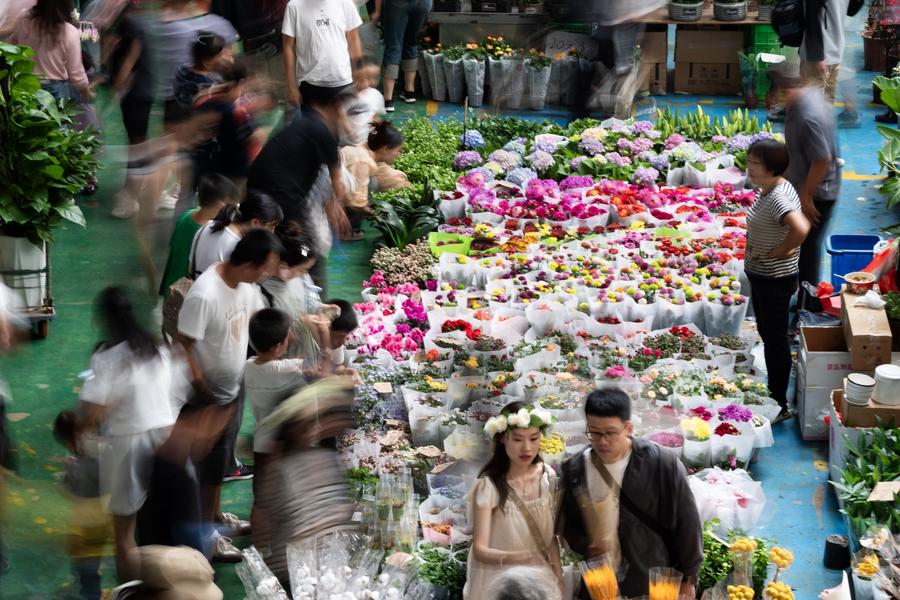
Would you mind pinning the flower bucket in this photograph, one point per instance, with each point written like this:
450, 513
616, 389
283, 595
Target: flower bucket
764, 13
437, 81
423, 79
685, 12
538, 81
456, 80
696, 454
514, 92
729, 11
474, 75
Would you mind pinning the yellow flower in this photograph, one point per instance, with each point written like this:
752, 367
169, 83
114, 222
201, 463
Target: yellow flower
637, 225
472, 362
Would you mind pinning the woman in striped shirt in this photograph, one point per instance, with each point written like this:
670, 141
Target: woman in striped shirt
776, 228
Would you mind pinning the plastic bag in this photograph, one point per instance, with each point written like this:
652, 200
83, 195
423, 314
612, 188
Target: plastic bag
456, 80
423, 79
719, 319
538, 81
497, 77
434, 67
513, 95
474, 75
730, 496
554, 90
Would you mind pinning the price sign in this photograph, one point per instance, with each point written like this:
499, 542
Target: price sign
559, 42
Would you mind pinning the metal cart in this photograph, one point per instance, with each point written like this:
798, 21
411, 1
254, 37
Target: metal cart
20, 281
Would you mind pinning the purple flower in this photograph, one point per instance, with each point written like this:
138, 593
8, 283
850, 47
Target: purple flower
719, 139
592, 146
667, 440
653, 134
640, 127
624, 145
472, 139
739, 142
641, 145
736, 413
545, 146
431, 285
516, 146
506, 159
540, 160
521, 176
577, 161
645, 176
575, 181
466, 159
674, 140
617, 159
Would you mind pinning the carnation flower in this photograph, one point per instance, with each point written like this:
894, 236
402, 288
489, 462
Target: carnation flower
466, 159
541, 161
472, 139
520, 176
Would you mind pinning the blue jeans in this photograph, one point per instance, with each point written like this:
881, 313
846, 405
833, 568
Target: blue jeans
88, 570
58, 88
402, 20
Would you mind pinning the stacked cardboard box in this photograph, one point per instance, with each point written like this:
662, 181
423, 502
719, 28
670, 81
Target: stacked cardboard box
822, 364
653, 70
706, 61
867, 332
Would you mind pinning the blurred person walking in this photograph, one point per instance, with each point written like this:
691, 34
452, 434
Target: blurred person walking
213, 328
402, 20
128, 398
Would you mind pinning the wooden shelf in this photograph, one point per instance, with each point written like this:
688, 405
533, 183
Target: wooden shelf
660, 16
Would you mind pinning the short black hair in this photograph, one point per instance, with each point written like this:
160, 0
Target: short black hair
345, 322
608, 402
215, 187
268, 328
235, 72
66, 426
206, 45
255, 248
772, 153
298, 248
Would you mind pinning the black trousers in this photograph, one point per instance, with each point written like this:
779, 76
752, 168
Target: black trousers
771, 299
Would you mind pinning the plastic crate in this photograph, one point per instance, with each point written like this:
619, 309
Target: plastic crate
849, 253
762, 36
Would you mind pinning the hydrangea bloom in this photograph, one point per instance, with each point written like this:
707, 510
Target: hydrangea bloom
577, 161
591, 146
548, 142
674, 140
624, 145
595, 133
541, 161
660, 163
472, 139
466, 159
506, 159
575, 181
739, 142
646, 156
617, 159
494, 168
719, 139
653, 134
641, 145
646, 175
640, 127
515, 146
521, 175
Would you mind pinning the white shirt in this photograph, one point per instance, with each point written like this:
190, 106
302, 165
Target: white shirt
136, 391
217, 318
596, 485
320, 29
362, 109
266, 386
210, 247
833, 35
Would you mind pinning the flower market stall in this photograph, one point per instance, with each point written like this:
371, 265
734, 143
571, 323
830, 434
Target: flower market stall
600, 254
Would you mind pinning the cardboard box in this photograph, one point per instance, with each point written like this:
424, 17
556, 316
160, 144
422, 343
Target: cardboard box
706, 62
839, 436
867, 416
653, 78
812, 406
867, 332
823, 359
655, 47
710, 47
717, 79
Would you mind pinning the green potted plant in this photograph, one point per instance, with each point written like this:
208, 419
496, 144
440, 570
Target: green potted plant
685, 10
47, 161
765, 10
730, 10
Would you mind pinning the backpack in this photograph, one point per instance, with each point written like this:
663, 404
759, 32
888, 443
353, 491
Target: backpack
788, 21
854, 7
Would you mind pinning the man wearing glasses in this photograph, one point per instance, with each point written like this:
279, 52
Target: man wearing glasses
625, 498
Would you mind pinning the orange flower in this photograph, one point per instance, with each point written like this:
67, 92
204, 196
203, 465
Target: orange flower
471, 46
432, 354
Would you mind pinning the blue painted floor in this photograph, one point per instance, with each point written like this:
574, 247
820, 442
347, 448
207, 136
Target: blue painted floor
802, 508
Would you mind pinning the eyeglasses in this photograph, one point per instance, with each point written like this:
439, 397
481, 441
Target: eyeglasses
206, 38
606, 436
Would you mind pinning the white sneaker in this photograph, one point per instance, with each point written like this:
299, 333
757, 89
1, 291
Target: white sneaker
225, 552
840, 162
232, 525
167, 201
126, 206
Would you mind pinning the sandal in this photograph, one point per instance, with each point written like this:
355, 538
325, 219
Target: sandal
356, 236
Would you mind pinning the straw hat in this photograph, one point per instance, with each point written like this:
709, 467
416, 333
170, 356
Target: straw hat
179, 573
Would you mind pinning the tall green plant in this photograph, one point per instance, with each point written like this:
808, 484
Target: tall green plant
45, 160
889, 155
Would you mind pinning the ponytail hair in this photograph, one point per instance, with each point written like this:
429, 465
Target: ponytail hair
384, 135
257, 206
117, 313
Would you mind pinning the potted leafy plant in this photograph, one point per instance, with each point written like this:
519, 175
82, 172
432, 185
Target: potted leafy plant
765, 10
47, 161
730, 10
454, 74
685, 10
889, 155
474, 65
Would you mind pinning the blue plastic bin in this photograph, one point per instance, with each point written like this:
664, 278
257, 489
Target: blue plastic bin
849, 253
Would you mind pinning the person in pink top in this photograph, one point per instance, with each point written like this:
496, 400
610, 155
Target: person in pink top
47, 28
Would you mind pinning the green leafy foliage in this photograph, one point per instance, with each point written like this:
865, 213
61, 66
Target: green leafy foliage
890, 91
497, 130
428, 151
405, 216
444, 567
45, 160
717, 562
872, 459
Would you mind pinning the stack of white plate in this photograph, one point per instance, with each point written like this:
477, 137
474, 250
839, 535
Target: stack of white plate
859, 388
887, 385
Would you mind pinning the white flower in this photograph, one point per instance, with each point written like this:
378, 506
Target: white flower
497, 425
651, 394
663, 391
523, 418
543, 414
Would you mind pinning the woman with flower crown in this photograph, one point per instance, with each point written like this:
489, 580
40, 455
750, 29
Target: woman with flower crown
513, 503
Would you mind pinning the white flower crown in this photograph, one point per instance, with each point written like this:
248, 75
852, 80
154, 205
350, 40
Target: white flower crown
530, 416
